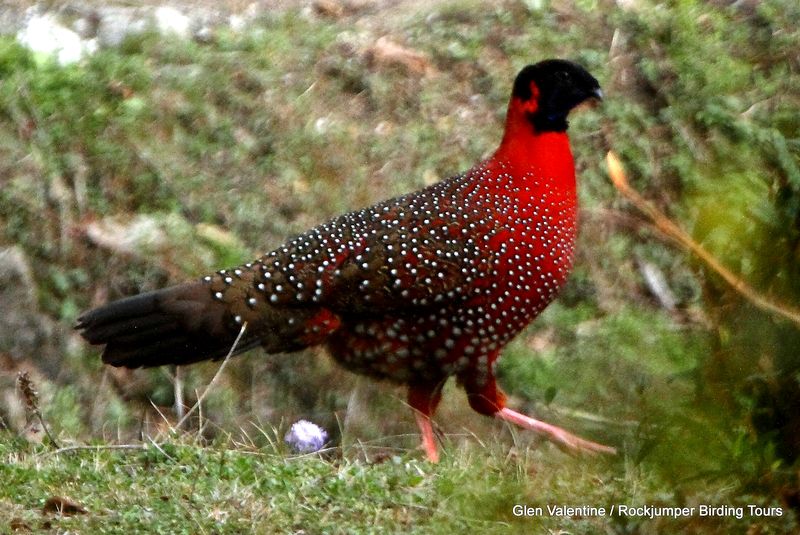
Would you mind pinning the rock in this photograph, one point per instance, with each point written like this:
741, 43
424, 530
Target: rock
170, 21
167, 241
139, 237
116, 24
86, 26
25, 333
657, 284
76, 30
11, 21
241, 21
204, 35
47, 37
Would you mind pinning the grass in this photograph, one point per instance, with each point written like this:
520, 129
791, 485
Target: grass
204, 155
180, 487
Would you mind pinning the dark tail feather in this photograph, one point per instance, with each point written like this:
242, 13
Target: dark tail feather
177, 325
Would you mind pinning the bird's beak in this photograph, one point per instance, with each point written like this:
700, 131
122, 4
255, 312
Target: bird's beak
592, 100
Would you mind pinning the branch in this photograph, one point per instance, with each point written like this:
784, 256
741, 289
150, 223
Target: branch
665, 225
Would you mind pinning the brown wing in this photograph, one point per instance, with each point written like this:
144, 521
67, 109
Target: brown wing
404, 254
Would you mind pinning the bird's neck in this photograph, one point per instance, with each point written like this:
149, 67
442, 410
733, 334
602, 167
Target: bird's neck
545, 155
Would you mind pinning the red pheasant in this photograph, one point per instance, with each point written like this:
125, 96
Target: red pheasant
414, 289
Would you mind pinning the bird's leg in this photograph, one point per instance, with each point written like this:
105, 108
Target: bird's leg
424, 399
486, 398
428, 441
559, 436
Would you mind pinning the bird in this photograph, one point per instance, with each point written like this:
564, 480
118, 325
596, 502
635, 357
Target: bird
414, 290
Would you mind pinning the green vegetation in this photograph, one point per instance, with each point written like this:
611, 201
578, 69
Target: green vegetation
204, 155
184, 488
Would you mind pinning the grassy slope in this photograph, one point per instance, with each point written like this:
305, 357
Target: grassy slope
181, 488
268, 133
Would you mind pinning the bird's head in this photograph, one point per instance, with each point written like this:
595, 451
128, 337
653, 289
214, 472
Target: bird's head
548, 90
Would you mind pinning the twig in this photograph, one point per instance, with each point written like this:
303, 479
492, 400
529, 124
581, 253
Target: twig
163, 416
201, 424
178, 389
160, 449
142, 423
213, 379
665, 225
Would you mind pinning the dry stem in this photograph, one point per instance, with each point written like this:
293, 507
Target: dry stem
665, 225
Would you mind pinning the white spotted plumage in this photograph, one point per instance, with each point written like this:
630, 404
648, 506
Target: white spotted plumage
426, 285
413, 289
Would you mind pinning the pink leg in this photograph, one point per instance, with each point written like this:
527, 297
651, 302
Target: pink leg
428, 441
424, 399
559, 436
486, 398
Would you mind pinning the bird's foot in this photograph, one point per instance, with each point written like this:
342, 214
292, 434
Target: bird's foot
560, 437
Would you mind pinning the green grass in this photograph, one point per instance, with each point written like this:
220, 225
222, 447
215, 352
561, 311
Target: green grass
210, 154
183, 488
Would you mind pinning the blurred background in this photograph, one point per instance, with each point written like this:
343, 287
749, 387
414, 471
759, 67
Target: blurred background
144, 144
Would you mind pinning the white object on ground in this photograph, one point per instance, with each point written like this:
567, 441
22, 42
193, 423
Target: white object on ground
306, 437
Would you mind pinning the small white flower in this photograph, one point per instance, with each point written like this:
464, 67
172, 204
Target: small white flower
306, 437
